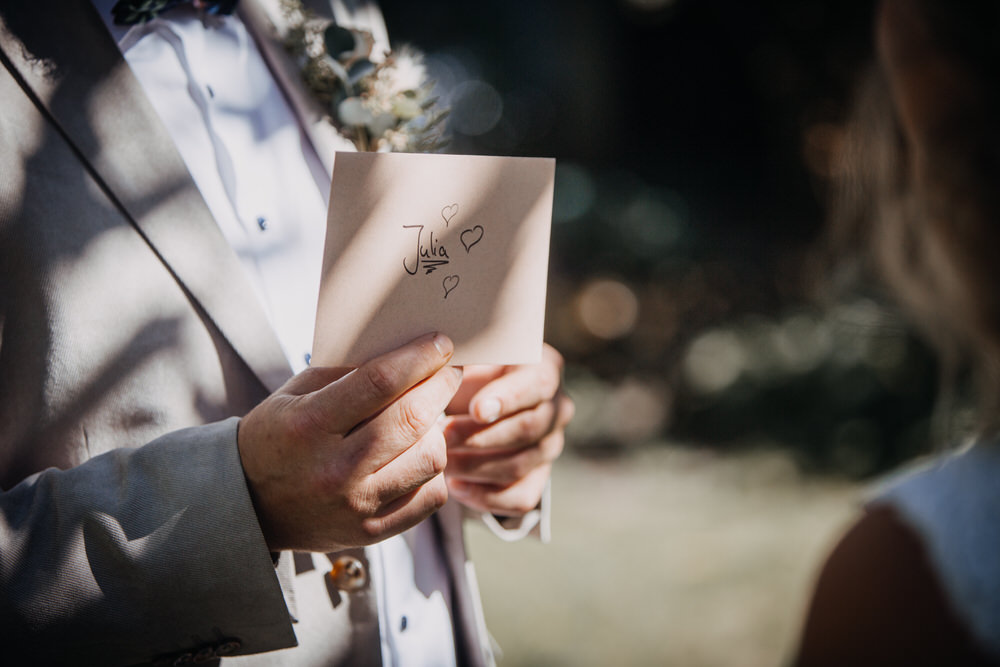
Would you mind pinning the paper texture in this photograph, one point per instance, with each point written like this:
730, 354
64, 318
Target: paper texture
418, 243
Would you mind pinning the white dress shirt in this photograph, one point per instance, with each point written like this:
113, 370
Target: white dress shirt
266, 188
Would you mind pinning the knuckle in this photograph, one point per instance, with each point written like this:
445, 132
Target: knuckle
567, 408
522, 503
528, 428
435, 454
373, 529
507, 474
437, 493
429, 463
552, 381
363, 501
381, 378
457, 378
414, 418
521, 467
555, 356
555, 366
552, 447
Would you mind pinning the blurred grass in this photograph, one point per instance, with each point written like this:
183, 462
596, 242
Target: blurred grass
664, 556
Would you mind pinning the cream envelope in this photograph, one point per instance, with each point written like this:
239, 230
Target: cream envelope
418, 243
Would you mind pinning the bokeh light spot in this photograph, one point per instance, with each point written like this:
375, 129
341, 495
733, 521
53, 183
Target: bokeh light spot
476, 108
714, 361
651, 223
607, 308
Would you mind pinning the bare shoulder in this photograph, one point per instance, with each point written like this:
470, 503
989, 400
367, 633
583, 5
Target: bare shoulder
878, 601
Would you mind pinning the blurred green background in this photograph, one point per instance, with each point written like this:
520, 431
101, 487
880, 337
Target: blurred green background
735, 389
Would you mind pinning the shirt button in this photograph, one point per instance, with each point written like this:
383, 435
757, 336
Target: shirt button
402, 624
262, 223
348, 574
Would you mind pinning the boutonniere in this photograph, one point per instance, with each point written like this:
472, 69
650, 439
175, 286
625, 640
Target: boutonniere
380, 101
130, 12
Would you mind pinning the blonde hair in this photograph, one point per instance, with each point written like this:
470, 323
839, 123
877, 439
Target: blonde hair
922, 208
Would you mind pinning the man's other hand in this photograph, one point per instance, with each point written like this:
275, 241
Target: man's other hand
505, 428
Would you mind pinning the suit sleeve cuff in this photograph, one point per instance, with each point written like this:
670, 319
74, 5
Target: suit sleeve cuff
536, 523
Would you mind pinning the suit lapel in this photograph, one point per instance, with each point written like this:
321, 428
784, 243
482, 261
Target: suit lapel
471, 636
64, 57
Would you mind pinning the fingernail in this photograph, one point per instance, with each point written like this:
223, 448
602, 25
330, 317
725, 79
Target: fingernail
458, 372
488, 410
443, 344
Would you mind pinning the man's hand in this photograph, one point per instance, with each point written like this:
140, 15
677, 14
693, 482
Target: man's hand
338, 459
506, 427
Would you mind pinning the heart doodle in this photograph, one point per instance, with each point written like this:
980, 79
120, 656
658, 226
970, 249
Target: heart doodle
449, 283
449, 212
474, 235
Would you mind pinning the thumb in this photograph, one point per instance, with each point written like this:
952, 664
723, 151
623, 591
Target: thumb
312, 379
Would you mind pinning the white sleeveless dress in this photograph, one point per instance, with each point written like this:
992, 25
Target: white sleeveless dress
953, 504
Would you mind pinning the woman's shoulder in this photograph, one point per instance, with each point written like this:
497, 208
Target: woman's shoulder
887, 594
952, 505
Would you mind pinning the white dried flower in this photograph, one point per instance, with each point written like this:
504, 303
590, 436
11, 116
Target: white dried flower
379, 103
406, 72
395, 140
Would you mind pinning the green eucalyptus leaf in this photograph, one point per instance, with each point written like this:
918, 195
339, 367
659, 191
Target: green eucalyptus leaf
437, 119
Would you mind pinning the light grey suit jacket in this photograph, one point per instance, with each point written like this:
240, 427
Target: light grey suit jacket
130, 341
